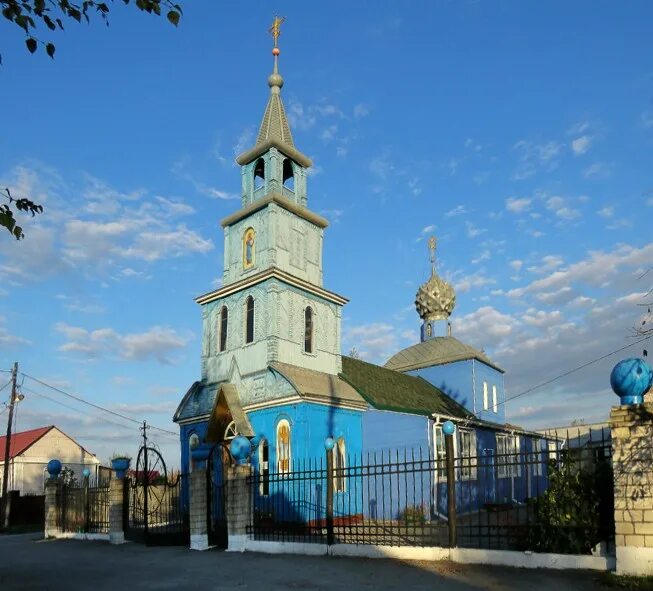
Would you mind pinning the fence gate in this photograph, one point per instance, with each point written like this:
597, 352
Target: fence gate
216, 497
156, 503
85, 509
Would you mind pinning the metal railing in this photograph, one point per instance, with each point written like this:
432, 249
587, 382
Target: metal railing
543, 494
85, 509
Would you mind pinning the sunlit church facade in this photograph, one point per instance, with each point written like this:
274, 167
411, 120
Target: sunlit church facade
271, 362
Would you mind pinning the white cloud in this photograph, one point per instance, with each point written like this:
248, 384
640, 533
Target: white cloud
484, 256
158, 343
535, 156
647, 119
473, 281
516, 265
472, 230
361, 110
9, 340
375, 342
516, 205
581, 145
458, 210
606, 212
598, 170
244, 140
560, 208
548, 264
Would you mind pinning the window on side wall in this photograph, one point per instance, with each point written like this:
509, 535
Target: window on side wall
264, 468
339, 465
308, 330
502, 456
467, 455
538, 457
249, 320
283, 447
486, 401
516, 455
224, 320
495, 405
440, 452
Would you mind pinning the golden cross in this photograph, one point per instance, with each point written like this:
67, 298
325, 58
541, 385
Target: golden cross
275, 29
432, 245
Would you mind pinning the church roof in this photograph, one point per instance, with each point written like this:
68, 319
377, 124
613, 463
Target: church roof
319, 386
275, 130
386, 389
436, 351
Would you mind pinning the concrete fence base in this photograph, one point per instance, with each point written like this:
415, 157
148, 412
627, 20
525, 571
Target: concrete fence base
459, 555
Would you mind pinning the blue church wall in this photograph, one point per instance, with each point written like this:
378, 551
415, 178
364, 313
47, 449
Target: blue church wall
454, 379
493, 378
385, 430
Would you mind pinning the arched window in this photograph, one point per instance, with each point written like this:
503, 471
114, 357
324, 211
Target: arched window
249, 248
264, 467
283, 447
224, 321
249, 320
288, 175
339, 465
230, 432
193, 442
308, 329
259, 173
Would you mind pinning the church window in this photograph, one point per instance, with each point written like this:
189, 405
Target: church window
502, 456
486, 399
288, 175
508, 456
440, 452
259, 173
468, 458
495, 407
224, 320
308, 329
193, 442
429, 330
264, 468
339, 465
283, 447
249, 248
249, 320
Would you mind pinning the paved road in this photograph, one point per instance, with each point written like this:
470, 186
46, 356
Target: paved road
27, 563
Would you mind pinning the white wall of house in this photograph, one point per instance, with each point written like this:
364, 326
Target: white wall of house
27, 471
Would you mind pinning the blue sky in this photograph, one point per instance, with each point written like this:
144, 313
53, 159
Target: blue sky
519, 133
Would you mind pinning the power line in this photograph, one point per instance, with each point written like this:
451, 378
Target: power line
575, 369
96, 406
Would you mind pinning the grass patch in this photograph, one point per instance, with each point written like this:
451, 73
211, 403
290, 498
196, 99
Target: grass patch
626, 582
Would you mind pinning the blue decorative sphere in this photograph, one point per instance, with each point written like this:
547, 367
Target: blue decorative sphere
630, 380
240, 449
448, 428
329, 443
86, 472
54, 468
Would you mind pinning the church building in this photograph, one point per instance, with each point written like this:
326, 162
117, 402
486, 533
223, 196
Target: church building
271, 363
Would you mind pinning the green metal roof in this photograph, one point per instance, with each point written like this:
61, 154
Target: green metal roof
386, 389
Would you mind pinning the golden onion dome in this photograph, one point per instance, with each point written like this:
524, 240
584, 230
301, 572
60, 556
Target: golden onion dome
435, 299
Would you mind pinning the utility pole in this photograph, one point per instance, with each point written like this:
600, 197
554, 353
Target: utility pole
4, 516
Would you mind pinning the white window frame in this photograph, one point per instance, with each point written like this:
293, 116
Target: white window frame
486, 400
467, 454
339, 466
502, 440
440, 452
495, 406
538, 457
279, 459
516, 456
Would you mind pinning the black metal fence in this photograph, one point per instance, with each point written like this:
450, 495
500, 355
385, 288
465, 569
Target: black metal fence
550, 494
157, 512
85, 509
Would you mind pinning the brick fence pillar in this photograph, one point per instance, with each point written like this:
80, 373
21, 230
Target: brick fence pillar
199, 535
53, 500
632, 460
116, 504
239, 505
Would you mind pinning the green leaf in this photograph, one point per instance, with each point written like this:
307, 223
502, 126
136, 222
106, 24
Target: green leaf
31, 44
173, 17
49, 48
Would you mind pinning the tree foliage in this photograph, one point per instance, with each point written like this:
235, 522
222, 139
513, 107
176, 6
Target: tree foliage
29, 15
577, 510
7, 219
